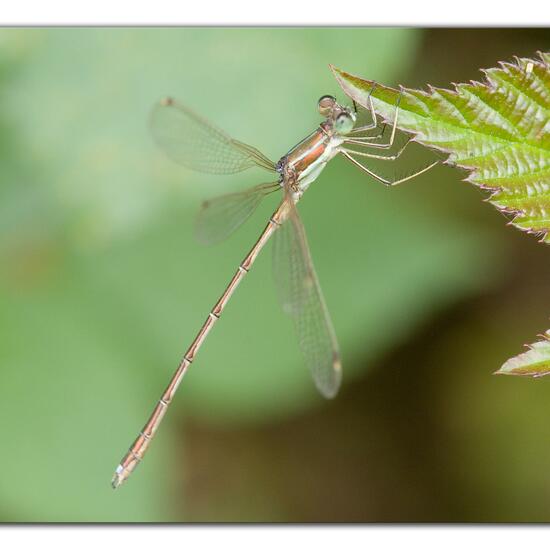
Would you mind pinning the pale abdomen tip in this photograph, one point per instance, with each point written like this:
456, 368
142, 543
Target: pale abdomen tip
119, 477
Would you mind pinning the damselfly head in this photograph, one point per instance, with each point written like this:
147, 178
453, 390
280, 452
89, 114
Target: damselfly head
341, 118
326, 105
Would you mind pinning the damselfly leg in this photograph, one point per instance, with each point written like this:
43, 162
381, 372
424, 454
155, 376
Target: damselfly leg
351, 154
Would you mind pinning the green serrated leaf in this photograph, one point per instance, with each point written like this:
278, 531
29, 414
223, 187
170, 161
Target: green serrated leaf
498, 130
534, 363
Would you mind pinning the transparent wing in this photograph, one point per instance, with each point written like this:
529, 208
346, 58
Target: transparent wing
302, 299
221, 216
192, 141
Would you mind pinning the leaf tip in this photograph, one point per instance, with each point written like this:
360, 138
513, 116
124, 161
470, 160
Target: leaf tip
336, 71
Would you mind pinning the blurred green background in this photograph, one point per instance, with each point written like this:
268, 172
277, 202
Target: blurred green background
102, 287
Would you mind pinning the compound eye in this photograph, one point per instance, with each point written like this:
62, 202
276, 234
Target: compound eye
326, 104
344, 123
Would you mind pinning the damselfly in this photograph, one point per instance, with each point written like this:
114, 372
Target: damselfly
192, 141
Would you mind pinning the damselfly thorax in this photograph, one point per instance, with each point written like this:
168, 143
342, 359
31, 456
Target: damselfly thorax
305, 161
192, 141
